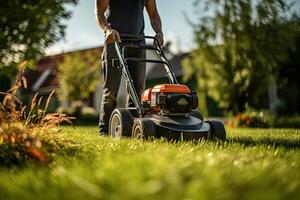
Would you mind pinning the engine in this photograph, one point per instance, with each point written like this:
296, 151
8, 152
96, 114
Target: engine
169, 99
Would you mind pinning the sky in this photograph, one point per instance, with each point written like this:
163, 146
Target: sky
82, 31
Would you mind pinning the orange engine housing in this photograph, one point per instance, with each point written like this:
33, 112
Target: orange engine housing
169, 98
146, 96
171, 88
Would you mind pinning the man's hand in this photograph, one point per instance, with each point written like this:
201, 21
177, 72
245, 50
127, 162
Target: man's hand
112, 36
160, 37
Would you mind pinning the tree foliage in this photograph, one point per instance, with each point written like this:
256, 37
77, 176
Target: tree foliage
241, 44
28, 27
79, 74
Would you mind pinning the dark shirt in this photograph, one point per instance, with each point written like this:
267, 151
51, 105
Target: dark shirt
126, 16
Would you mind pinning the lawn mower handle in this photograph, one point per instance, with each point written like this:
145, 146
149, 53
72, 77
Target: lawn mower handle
125, 70
128, 80
136, 38
156, 47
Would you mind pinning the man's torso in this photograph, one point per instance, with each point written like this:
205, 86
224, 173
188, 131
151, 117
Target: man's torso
126, 16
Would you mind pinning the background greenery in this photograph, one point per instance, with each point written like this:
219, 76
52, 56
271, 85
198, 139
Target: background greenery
79, 75
245, 47
27, 29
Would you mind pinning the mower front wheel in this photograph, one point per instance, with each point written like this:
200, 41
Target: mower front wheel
217, 129
120, 123
143, 129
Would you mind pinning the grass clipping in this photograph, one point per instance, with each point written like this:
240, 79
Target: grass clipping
27, 134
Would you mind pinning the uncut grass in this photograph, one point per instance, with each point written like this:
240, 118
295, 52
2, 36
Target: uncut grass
246, 166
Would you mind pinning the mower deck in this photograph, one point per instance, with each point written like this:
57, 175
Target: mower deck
181, 128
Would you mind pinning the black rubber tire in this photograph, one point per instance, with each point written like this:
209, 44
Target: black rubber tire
143, 129
134, 113
197, 114
217, 129
126, 122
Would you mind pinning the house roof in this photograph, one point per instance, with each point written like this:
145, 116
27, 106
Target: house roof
158, 71
45, 74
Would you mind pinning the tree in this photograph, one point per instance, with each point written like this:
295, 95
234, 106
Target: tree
288, 83
27, 28
241, 44
79, 74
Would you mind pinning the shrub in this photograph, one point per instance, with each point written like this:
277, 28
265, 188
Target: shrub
250, 118
27, 136
286, 122
262, 119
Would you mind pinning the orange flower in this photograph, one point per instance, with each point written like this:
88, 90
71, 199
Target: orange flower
36, 154
244, 116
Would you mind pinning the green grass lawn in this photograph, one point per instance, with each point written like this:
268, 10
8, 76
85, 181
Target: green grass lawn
251, 164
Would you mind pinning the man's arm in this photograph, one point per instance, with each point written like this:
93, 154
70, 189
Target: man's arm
155, 20
111, 35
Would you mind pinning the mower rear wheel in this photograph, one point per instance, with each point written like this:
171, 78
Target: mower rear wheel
120, 123
143, 129
217, 129
197, 114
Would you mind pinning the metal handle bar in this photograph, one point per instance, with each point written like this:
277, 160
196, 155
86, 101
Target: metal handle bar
136, 38
158, 49
144, 47
130, 37
129, 81
145, 60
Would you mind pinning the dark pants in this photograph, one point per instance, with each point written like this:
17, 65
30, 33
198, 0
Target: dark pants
112, 77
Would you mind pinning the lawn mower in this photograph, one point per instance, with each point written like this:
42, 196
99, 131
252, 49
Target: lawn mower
166, 110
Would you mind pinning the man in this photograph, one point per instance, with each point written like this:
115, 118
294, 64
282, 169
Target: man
117, 17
